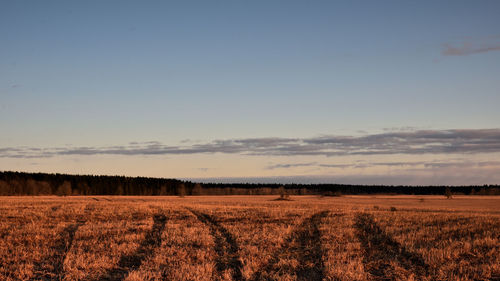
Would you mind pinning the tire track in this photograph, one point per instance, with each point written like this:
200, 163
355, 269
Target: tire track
226, 247
52, 266
440, 223
380, 250
133, 261
303, 245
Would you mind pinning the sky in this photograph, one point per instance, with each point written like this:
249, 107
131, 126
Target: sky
360, 92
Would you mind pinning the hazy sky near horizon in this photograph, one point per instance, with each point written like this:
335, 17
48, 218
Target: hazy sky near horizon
313, 91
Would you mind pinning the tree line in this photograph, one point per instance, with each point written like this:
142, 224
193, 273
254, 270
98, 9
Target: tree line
21, 183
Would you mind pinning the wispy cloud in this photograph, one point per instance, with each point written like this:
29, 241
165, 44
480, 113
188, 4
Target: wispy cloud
290, 165
421, 164
472, 47
469, 141
317, 165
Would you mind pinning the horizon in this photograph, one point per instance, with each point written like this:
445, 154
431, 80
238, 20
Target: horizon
255, 181
376, 93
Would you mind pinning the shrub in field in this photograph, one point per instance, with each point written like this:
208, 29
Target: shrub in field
119, 190
283, 194
197, 189
336, 193
181, 190
64, 189
4, 188
448, 193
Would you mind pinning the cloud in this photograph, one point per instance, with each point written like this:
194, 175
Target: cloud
423, 164
465, 141
437, 172
339, 165
291, 165
469, 48
395, 129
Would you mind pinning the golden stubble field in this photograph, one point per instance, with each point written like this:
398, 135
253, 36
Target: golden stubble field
250, 238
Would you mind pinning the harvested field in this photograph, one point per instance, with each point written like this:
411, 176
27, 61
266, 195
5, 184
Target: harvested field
250, 238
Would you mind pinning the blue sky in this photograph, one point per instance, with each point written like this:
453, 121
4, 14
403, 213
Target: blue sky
101, 74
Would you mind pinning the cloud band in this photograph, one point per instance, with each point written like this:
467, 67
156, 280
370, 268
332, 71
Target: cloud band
466, 141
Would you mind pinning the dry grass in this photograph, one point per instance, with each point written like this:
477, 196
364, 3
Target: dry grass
250, 238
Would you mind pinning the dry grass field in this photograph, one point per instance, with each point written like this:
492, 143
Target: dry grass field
250, 238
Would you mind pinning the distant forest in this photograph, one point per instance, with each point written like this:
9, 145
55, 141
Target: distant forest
20, 183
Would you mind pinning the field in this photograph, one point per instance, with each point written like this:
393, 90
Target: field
250, 238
